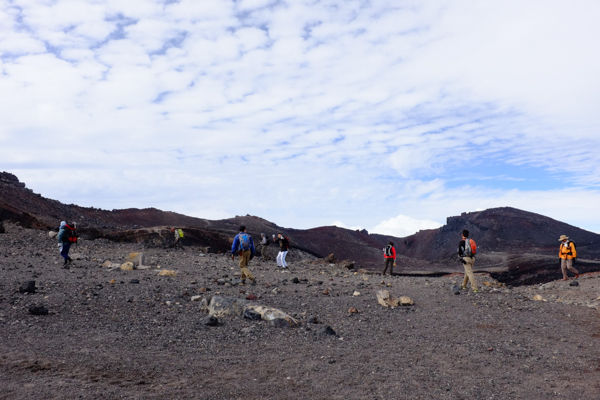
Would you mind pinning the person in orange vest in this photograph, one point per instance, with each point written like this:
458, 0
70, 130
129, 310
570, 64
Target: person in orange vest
567, 253
389, 255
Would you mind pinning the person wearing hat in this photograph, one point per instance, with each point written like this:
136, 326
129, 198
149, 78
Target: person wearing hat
567, 253
243, 245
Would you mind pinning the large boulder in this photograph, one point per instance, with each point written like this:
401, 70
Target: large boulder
221, 306
52, 234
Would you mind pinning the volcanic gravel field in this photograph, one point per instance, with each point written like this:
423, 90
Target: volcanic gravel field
148, 340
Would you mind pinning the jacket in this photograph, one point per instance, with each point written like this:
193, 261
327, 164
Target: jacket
567, 251
235, 247
284, 243
393, 253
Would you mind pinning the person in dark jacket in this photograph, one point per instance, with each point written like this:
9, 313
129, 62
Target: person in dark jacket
390, 259
468, 262
284, 245
64, 244
244, 247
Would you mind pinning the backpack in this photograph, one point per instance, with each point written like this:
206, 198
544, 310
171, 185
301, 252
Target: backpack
70, 235
180, 233
470, 248
387, 250
244, 241
574, 246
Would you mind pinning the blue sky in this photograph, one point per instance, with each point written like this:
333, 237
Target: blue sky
383, 115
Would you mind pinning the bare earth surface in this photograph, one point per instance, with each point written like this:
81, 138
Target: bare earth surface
146, 340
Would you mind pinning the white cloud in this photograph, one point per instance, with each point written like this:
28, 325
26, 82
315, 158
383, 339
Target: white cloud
403, 225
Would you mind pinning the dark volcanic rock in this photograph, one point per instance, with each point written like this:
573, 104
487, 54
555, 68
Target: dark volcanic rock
38, 310
27, 287
280, 323
252, 315
210, 321
574, 283
327, 330
455, 289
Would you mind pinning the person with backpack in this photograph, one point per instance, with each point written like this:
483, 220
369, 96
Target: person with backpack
389, 257
178, 232
264, 243
67, 235
284, 245
466, 251
243, 245
567, 253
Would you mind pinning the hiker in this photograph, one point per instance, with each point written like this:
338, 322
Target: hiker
284, 245
264, 243
66, 236
244, 247
389, 256
178, 237
466, 251
567, 253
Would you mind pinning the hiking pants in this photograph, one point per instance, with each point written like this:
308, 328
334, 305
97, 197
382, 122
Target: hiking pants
244, 260
178, 243
469, 276
263, 250
64, 250
567, 264
389, 262
281, 259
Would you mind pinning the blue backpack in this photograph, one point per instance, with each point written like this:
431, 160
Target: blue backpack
244, 241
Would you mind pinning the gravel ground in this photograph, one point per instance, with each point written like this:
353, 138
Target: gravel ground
146, 340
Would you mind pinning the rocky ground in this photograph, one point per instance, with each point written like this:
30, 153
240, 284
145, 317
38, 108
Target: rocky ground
135, 334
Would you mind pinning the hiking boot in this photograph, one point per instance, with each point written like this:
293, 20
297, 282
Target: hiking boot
576, 276
253, 283
69, 259
65, 262
475, 291
243, 281
463, 288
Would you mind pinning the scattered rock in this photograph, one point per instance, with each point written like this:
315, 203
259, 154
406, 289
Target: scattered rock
76, 256
38, 310
330, 258
455, 289
107, 264
574, 283
312, 319
347, 264
127, 266
280, 323
235, 282
356, 293
134, 281
195, 298
51, 234
221, 306
112, 281
269, 313
326, 292
210, 321
386, 299
252, 315
295, 280
167, 272
406, 301
353, 310
538, 297
251, 297
28, 287
275, 291
136, 259
327, 330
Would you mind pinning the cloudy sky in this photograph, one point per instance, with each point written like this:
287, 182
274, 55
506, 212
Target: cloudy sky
383, 115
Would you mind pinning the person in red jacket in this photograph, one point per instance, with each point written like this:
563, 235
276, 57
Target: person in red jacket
389, 255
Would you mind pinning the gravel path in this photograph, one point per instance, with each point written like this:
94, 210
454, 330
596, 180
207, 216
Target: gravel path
146, 340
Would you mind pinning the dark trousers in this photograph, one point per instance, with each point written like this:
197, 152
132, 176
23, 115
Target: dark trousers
389, 262
65, 250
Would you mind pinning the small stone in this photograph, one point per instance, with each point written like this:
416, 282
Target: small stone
167, 272
210, 321
196, 298
252, 315
134, 281
251, 297
356, 293
491, 349
112, 281
279, 323
127, 266
538, 297
353, 310
574, 283
326, 292
107, 264
312, 319
136, 259
52, 234
406, 301
27, 287
327, 330
295, 280
38, 310
275, 291
455, 289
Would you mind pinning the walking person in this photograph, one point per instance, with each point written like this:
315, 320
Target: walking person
178, 233
243, 246
66, 237
389, 257
567, 253
284, 245
466, 251
264, 242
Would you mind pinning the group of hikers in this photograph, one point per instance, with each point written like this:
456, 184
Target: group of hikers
467, 248
243, 246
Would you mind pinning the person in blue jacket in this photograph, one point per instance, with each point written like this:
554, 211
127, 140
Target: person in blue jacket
243, 245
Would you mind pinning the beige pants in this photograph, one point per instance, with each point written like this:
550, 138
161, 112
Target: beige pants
567, 264
244, 260
469, 276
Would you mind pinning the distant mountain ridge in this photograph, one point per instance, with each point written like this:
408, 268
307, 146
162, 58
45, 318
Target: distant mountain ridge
514, 245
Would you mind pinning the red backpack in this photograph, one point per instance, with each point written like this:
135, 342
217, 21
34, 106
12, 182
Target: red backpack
70, 234
470, 247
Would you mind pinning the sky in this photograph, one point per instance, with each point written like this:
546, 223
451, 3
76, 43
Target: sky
382, 115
